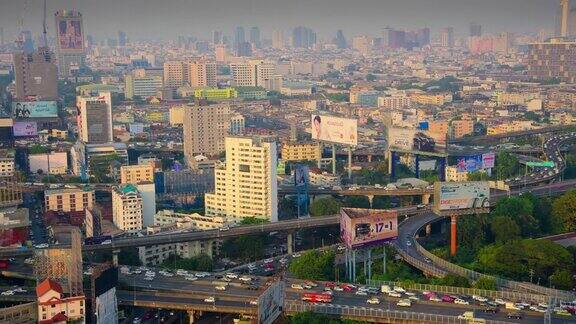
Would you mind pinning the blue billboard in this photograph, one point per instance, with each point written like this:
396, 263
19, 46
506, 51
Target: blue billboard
470, 163
34, 109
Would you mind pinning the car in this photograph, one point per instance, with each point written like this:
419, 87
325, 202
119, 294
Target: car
537, 309
399, 289
311, 283
254, 302
480, 298
414, 298
492, 310
269, 260
136, 320
461, 301
210, 300
307, 286
231, 275
427, 260
148, 278
221, 288
190, 278
297, 286
7, 293
296, 255
420, 206
448, 299
404, 303
395, 294
408, 243
224, 228
20, 290
283, 260
514, 316
338, 288
245, 279
435, 298
499, 301
106, 242
543, 305
373, 300
252, 287
361, 293
561, 312
409, 293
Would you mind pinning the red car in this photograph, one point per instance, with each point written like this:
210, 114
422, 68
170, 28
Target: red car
330, 285
347, 288
448, 299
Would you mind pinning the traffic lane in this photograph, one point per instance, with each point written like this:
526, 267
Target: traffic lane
389, 303
186, 300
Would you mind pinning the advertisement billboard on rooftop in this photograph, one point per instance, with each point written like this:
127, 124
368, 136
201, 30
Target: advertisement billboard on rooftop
364, 227
25, 128
70, 36
334, 129
412, 140
34, 109
461, 195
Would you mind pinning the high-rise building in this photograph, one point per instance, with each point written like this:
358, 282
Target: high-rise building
252, 73
216, 37
303, 37
202, 74
393, 39
36, 75
423, 37
205, 128
221, 53
239, 37
277, 39
127, 208
175, 74
95, 118
122, 39
255, 36
62, 265
362, 44
447, 37
27, 41
69, 42
244, 49
340, 41
563, 18
246, 186
554, 59
475, 30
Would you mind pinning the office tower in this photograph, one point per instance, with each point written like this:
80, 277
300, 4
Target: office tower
122, 39
202, 74
554, 59
246, 186
362, 44
303, 37
127, 208
340, 41
447, 37
252, 73
475, 29
205, 128
95, 118
221, 53
216, 37
36, 75
423, 37
10, 192
239, 37
27, 42
277, 39
244, 49
69, 42
62, 265
255, 36
140, 83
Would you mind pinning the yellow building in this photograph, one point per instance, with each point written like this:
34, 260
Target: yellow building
452, 174
300, 151
68, 199
515, 126
215, 93
429, 99
461, 128
57, 133
177, 115
136, 174
438, 127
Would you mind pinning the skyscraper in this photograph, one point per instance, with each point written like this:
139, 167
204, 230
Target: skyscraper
475, 29
447, 37
216, 37
255, 36
69, 41
202, 74
36, 74
277, 39
27, 42
340, 41
303, 37
205, 128
122, 39
246, 186
239, 37
95, 118
566, 19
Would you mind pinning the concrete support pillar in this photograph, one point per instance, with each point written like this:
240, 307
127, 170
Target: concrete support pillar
115, 257
320, 148
349, 162
453, 235
290, 244
428, 229
370, 199
333, 159
369, 158
191, 314
426, 199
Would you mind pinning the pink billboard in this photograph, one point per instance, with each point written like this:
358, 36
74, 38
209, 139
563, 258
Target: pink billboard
26, 128
70, 34
363, 227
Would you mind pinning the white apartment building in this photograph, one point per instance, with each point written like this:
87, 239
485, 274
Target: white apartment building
205, 128
246, 185
237, 123
127, 208
394, 102
253, 73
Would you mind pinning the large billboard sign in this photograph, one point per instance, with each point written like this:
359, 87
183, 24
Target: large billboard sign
271, 303
335, 129
412, 140
70, 36
488, 160
449, 196
363, 227
301, 175
473, 163
25, 128
34, 109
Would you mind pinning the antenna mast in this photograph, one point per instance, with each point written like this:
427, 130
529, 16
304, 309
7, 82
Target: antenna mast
44, 38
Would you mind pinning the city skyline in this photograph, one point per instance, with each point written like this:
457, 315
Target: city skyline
174, 18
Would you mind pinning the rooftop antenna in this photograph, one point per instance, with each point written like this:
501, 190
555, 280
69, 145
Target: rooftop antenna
44, 37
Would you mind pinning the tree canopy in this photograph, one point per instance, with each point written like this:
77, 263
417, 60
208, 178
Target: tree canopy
314, 265
325, 206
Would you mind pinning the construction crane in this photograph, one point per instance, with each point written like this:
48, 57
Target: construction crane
20, 37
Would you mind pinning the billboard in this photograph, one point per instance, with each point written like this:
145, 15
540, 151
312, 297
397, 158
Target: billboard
24, 128
470, 163
56, 161
301, 176
70, 34
334, 129
543, 164
270, 303
34, 109
461, 195
416, 141
362, 227
488, 160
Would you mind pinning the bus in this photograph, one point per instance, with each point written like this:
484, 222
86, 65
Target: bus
317, 298
97, 239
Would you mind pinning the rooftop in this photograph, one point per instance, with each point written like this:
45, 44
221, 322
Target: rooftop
362, 212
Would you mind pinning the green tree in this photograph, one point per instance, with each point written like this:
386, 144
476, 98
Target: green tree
201, 262
129, 257
562, 279
507, 165
381, 202
504, 229
314, 265
246, 248
357, 202
485, 283
312, 318
252, 221
564, 209
470, 232
521, 210
452, 280
477, 176
325, 206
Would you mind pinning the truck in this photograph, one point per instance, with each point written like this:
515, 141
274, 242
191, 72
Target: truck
511, 305
317, 298
470, 318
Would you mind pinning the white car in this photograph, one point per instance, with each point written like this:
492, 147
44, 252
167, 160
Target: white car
296, 255
404, 303
537, 309
254, 302
245, 279
499, 301
269, 260
435, 298
7, 293
480, 298
414, 298
461, 301
20, 290
543, 305
221, 288
148, 278
338, 288
231, 275
408, 293
210, 300
106, 242
399, 289
296, 286
373, 300
394, 294
191, 278
361, 293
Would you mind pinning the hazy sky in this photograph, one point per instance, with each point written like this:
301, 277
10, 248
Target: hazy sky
169, 18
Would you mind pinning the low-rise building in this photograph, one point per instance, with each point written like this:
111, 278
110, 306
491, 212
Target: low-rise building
136, 173
6, 166
55, 307
323, 179
461, 128
69, 199
452, 174
300, 151
215, 93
